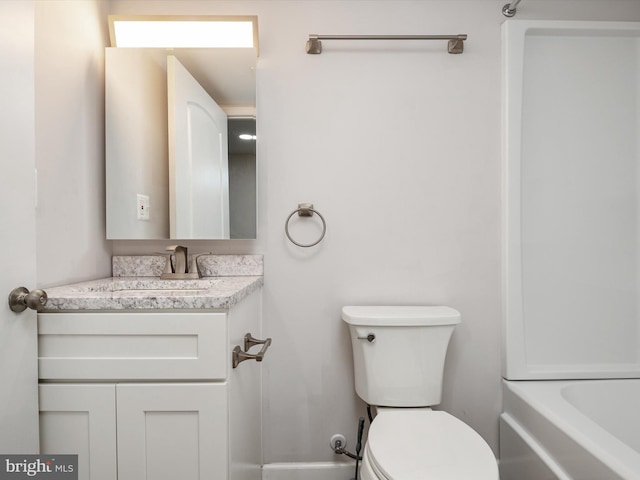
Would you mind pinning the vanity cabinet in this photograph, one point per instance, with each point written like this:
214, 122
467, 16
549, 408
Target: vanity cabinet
152, 394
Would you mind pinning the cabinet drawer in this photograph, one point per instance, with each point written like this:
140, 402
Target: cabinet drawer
133, 346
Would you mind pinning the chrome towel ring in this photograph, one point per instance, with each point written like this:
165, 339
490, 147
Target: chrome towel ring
305, 210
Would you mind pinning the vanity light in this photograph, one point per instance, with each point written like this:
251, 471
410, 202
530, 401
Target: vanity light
246, 136
203, 31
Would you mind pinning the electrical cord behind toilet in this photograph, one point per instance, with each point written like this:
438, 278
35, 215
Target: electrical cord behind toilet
359, 443
339, 449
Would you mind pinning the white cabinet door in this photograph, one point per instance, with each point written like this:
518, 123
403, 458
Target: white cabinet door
18, 353
172, 431
164, 431
81, 419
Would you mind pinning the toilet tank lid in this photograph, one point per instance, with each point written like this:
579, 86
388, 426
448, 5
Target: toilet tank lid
400, 315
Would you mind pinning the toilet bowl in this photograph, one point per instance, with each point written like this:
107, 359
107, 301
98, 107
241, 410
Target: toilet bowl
398, 355
424, 444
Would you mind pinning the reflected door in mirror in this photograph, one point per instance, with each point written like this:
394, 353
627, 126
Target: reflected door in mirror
198, 159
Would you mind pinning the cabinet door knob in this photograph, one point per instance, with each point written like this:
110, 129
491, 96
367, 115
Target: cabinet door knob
20, 298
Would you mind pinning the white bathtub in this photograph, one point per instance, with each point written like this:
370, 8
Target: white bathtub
570, 429
571, 256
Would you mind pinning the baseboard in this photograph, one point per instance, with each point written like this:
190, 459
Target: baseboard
309, 471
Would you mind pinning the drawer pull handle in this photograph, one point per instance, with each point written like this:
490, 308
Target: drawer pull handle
239, 356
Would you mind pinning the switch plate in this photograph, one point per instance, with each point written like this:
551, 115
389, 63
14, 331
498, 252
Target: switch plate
143, 207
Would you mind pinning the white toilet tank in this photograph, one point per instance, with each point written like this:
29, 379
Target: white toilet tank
399, 352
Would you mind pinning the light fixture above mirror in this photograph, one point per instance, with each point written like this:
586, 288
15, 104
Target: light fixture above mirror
163, 31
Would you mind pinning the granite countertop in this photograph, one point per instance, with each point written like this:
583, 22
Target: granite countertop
126, 292
132, 293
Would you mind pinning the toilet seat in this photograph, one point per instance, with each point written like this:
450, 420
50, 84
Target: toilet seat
423, 444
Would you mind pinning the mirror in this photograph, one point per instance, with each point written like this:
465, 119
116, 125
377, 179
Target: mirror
153, 191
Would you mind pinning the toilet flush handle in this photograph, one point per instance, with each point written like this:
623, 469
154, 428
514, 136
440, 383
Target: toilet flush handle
369, 338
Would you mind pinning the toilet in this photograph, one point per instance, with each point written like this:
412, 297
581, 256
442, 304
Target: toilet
398, 360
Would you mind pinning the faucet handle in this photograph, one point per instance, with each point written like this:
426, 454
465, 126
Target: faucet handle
168, 267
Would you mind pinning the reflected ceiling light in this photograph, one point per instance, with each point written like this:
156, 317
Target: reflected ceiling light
206, 31
246, 136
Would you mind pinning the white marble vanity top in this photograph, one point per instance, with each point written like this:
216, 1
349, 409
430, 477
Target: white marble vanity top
132, 293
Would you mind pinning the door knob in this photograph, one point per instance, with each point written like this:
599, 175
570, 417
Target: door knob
20, 298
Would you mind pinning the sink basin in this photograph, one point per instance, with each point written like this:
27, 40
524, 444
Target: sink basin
161, 290
142, 284
163, 285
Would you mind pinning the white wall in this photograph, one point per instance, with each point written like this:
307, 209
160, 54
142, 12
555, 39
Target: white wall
69, 92
136, 146
398, 146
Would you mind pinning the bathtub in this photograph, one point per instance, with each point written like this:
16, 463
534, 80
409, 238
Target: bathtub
571, 250
570, 429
